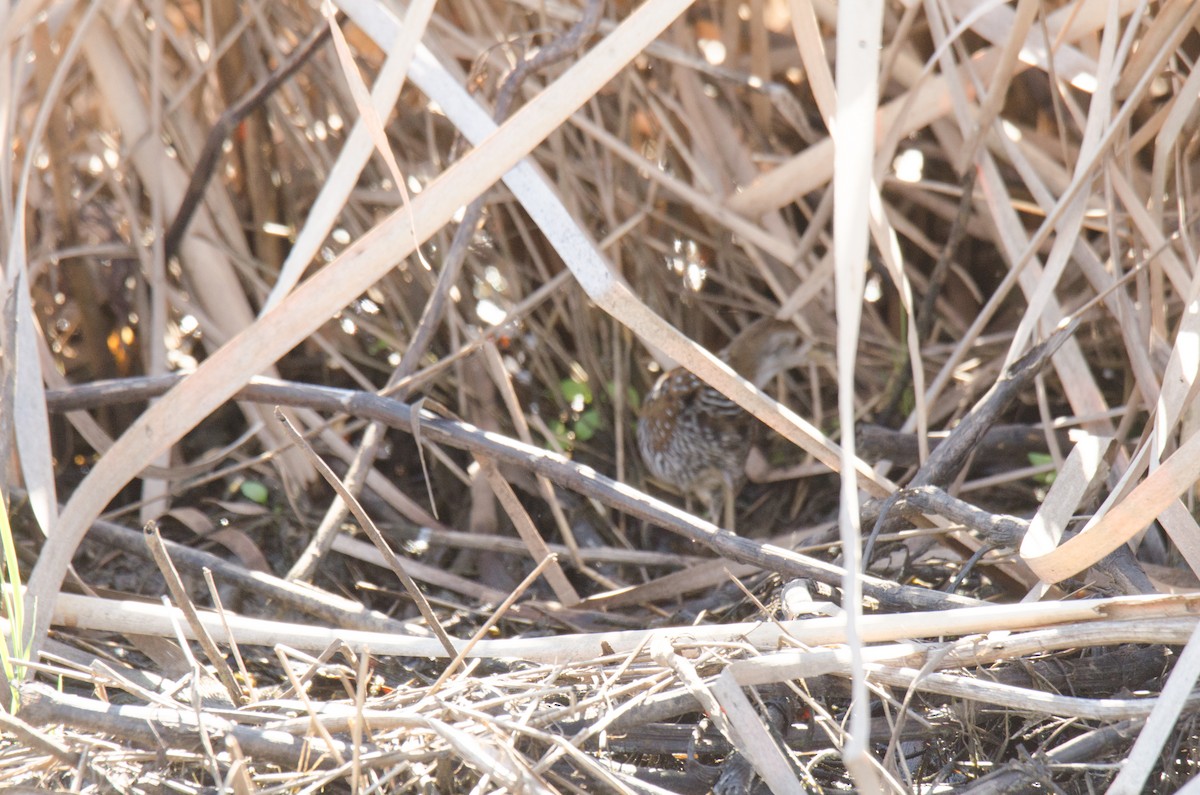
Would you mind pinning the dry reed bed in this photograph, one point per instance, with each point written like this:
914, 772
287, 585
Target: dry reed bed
1031, 164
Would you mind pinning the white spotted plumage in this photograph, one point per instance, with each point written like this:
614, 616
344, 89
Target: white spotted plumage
696, 440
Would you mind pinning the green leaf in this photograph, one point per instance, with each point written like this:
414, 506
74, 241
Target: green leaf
255, 492
588, 423
1041, 460
572, 389
564, 436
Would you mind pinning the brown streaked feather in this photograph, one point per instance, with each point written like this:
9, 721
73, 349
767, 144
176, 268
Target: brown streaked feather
695, 439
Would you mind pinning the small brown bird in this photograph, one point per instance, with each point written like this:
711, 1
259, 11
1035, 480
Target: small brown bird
695, 439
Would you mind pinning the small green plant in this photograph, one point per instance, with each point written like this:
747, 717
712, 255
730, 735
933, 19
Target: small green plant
1041, 460
583, 419
11, 645
587, 424
255, 491
576, 392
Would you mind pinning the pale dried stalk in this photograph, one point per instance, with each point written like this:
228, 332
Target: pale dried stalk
123, 616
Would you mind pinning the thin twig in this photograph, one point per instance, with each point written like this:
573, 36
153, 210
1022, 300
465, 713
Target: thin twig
364, 521
206, 164
184, 603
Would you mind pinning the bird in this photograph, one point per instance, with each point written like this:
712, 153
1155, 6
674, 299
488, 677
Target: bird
694, 439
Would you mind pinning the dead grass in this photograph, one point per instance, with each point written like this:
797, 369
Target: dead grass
669, 170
